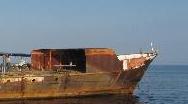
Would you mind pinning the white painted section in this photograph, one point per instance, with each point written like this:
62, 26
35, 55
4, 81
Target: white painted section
37, 79
126, 58
125, 64
31, 79
5, 80
132, 56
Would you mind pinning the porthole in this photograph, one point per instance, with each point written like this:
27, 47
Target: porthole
56, 79
8, 81
33, 80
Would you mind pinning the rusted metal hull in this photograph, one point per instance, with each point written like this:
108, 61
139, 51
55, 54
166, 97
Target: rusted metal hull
75, 72
67, 84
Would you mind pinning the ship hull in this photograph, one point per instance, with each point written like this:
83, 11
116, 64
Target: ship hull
67, 84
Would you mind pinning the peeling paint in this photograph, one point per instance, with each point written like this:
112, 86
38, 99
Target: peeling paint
134, 61
7, 80
34, 79
19, 79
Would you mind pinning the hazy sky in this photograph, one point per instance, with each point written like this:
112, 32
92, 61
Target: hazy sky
126, 26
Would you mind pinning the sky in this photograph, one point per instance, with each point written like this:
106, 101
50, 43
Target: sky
127, 26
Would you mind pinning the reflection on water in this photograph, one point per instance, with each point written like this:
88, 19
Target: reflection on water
102, 99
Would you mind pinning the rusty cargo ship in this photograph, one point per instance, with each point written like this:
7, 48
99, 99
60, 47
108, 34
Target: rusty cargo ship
56, 73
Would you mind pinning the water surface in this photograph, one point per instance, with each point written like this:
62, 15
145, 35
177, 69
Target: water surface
164, 85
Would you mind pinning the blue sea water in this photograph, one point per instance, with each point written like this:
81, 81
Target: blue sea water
160, 85
164, 85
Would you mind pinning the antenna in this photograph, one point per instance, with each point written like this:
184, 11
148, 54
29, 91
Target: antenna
152, 49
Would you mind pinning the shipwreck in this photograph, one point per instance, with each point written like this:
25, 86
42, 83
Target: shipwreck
53, 73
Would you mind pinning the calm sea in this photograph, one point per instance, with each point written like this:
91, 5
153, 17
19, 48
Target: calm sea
160, 85
164, 85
